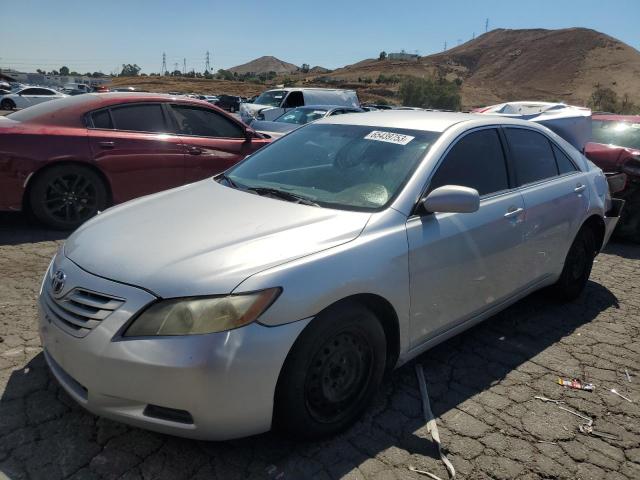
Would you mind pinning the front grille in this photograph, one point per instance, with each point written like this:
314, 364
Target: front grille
80, 310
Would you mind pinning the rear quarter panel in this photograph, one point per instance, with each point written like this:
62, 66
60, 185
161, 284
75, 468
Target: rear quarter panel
25, 151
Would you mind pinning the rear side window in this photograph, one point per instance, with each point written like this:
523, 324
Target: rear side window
139, 118
295, 99
476, 161
102, 119
201, 122
565, 165
532, 155
30, 91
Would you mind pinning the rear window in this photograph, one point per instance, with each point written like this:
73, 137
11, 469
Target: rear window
139, 118
622, 134
102, 119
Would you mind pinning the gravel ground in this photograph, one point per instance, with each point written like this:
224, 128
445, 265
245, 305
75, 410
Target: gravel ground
481, 383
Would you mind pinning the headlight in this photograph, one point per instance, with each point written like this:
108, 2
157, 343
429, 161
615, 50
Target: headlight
190, 316
632, 167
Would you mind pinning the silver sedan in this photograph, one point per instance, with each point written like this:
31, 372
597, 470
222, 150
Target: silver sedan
279, 293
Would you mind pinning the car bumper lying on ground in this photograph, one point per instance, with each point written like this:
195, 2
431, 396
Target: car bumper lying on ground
215, 386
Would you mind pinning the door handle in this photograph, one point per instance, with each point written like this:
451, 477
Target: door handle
579, 188
513, 212
106, 144
194, 150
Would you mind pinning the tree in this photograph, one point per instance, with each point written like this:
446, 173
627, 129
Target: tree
64, 71
225, 74
430, 93
382, 56
129, 70
41, 72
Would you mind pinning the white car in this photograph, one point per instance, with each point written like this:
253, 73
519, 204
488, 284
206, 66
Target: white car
28, 96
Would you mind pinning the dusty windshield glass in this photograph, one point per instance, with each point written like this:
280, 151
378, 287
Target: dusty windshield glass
272, 98
337, 166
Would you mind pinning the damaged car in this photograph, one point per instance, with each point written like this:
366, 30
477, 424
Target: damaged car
279, 293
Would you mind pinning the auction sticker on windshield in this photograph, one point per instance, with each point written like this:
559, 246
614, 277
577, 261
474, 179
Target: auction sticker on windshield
390, 137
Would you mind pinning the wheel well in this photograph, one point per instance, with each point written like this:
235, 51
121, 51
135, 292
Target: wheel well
596, 224
387, 316
37, 173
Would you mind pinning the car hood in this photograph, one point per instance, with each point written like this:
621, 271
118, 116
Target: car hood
204, 238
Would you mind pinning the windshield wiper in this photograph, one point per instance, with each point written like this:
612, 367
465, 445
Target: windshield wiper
284, 195
230, 182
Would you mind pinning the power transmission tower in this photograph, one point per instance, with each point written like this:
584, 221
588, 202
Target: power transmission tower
473, 37
445, 45
486, 25
175, 66
207, 65
184, 66
164, 64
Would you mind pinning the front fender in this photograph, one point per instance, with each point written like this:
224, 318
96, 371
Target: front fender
374, 263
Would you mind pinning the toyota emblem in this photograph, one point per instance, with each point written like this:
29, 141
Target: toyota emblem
57, 282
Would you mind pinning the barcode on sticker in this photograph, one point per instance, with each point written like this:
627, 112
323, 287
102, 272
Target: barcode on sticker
390, 137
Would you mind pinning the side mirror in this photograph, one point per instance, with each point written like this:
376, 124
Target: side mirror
452, 199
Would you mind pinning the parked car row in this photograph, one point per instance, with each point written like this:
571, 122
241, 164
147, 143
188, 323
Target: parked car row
280, 292
292, 119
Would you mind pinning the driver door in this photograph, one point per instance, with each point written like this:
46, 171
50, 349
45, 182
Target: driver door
461, 264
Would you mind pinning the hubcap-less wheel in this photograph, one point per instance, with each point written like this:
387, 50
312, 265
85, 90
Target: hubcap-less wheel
7, 105
339, 372
71, 198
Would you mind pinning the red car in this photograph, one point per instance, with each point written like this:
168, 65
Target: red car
618, 150
67, 159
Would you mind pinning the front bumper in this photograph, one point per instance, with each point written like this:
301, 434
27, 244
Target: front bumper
214, 387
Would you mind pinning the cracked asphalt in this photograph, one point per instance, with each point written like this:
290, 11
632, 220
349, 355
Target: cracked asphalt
481, 384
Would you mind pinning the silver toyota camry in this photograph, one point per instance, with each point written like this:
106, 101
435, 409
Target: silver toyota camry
279, 293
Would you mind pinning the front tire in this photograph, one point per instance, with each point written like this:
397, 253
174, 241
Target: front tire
577, 266
7, 104
332, 372
66, 196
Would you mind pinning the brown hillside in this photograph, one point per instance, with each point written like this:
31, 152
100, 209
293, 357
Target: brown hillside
265, 65
504, 65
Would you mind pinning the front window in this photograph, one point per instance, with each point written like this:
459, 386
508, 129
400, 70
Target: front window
273, 98
301, 116
350, 167
621, 134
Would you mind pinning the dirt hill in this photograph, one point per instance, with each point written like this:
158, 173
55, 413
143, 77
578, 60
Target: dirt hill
265, 65
535, 64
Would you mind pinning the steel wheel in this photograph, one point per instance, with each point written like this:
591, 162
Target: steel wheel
339, 371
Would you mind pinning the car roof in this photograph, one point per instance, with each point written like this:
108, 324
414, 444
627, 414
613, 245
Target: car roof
420, 120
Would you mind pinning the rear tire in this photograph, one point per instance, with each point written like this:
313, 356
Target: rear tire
577, 266
7, 104
332, 372
66, 196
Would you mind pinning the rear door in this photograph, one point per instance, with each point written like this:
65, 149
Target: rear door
555, 196
133, 144
211, 141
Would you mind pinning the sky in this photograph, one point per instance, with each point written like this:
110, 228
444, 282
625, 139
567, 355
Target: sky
102, 35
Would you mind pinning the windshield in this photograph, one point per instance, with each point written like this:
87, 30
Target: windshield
622, 134
273, 98
301, 116
349, 167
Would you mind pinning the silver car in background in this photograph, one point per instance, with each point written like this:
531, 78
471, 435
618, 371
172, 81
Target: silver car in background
279, 293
